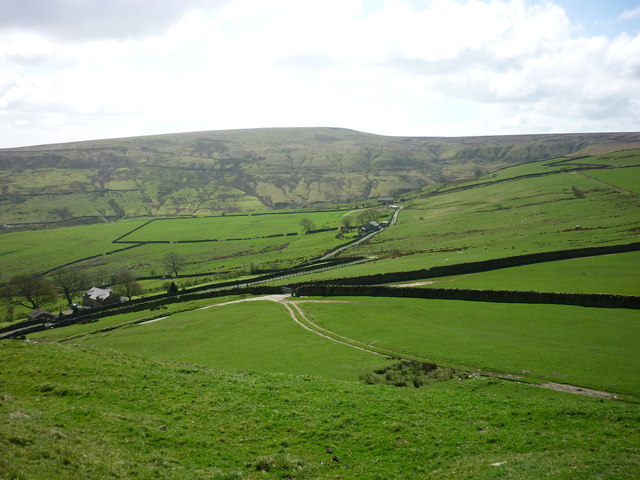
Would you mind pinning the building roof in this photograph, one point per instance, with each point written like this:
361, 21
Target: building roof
95, 293
37, 312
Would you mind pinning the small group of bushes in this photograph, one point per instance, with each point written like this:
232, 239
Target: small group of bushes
407, 373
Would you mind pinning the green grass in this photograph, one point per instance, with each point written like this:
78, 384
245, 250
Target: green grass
256, 336
590, 347
72, 412
618, 158
613, 274
41, 250
231, 226
513, 218
624, 178
71, 331
530, 215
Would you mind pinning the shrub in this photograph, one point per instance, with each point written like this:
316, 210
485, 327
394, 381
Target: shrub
411, 372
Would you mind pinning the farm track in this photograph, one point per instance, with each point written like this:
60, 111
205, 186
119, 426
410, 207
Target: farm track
298, 316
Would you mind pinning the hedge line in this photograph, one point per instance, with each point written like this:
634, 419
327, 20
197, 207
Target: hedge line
500, 296
481, 266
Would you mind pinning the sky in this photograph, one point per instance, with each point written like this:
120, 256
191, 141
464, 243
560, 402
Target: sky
81, 70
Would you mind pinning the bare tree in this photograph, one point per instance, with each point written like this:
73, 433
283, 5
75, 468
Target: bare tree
29, 291
173, 262
307, 225
70, 283
347, 221
127, 285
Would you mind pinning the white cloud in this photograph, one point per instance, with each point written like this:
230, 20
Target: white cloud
630, 14
442, 67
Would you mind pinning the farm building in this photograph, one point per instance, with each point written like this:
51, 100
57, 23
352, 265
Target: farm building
385, 200
41, 315
371, 226
98, 297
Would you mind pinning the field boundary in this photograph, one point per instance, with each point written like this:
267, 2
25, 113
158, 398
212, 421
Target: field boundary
495, 296
566, 162
479, 266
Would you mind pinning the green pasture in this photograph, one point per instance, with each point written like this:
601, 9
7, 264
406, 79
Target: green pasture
41, 250
530, 215
237, 257
69, 412
553, 166
591, 347
231, 226
122, 319
613, 274
514, 218
624, 178
619, 158
250, 336
37, 251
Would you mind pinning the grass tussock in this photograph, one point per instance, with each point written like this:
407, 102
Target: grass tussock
407, 373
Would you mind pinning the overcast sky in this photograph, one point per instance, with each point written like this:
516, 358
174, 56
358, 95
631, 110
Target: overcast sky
93, 69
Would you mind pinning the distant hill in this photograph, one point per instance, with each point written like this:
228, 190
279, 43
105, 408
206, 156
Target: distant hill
243, 170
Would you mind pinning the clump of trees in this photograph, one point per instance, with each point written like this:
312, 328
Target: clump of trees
371, 214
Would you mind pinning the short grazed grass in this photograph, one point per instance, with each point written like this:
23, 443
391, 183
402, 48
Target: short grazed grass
249, 336
76, 412
592, 347
90, 326
612, 274
40, 250
624, 178
232, 226
525, 216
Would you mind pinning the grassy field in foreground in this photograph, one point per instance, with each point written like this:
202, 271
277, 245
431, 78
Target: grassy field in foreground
613, 274
250, 336
72, 412
591, 347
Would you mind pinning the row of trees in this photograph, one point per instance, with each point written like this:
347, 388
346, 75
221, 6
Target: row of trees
35, 291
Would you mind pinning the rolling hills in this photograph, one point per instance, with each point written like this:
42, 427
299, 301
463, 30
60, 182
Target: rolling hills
246, 170
207, 383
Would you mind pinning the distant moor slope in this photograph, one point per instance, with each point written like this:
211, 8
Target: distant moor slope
244, 170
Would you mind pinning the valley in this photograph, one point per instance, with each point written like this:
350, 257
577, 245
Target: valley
260, 356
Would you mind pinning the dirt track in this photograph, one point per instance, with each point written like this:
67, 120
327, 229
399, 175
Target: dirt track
294, 309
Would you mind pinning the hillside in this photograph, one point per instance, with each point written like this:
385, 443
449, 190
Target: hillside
69, 412
335, 382
246, 170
